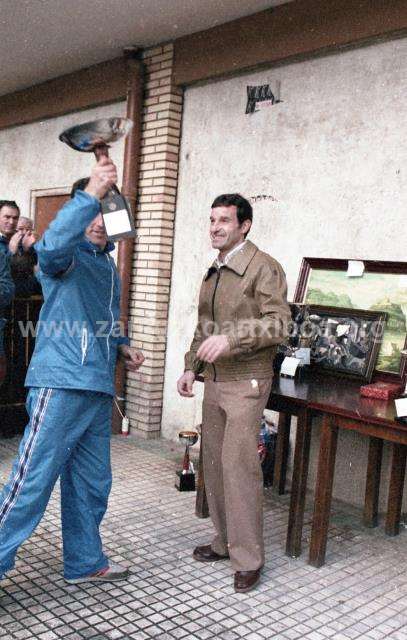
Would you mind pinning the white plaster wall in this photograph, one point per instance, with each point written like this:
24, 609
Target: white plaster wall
332, 156
33, 157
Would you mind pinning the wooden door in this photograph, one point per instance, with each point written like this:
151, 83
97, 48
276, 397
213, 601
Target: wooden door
46, 207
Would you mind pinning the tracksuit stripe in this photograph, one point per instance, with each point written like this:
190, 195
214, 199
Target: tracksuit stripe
26, 455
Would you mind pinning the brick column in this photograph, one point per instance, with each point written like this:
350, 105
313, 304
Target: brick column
150, 288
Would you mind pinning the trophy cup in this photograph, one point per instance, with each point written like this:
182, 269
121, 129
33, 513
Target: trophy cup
185, 479
96, 137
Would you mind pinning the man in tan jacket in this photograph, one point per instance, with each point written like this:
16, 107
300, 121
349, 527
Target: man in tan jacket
242, 317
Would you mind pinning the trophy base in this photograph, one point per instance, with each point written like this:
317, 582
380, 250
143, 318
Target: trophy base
184, 481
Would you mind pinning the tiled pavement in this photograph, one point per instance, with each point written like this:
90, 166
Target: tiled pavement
361, 592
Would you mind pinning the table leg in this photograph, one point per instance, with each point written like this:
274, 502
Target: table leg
374, 465
323, 491
201, 502
282, 447
299, 484
398, 470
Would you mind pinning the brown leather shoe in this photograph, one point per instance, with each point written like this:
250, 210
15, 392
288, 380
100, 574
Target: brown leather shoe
246, 580
205, 553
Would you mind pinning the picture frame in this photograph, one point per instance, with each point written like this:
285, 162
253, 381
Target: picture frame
343, 342
382, 287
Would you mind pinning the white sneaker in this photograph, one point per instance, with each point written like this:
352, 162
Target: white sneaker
109, 574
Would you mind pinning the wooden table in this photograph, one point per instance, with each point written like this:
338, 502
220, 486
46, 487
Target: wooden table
339, 403
375, 419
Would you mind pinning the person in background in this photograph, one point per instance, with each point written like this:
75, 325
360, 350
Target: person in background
7, 290
9, 215
23, 259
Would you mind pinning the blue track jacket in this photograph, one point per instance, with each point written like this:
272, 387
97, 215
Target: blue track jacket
78, 331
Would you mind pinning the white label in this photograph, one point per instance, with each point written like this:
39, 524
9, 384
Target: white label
355, 268
342, 330
117, 222
289, 366
401, 407
403, 282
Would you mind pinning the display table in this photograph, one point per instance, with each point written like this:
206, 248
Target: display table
339, 404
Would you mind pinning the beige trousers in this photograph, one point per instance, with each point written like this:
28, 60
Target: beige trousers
231, 418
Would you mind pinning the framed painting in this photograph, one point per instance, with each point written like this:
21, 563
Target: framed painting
382, 287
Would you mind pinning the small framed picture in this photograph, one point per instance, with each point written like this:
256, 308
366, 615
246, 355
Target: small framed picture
381, 287
340, 341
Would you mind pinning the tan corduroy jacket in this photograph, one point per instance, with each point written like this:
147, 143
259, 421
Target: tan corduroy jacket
247, 301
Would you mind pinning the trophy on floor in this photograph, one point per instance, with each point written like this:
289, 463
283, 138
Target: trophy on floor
96, 137
185, 478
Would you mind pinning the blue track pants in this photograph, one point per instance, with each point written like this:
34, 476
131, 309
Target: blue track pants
68, 435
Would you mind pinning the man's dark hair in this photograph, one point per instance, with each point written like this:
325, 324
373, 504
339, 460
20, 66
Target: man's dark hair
79, 185
243, 206
10, 203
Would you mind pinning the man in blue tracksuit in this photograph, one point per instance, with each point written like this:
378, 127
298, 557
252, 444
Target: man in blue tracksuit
71, 388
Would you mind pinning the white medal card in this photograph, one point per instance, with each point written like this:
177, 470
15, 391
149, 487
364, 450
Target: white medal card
117, 222
401, 407
289, 366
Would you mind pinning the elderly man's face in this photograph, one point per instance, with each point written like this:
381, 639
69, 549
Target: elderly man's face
8, 220
24, 225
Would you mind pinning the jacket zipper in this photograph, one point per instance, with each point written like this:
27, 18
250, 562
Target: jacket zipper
84, 344
110, 306
213, 313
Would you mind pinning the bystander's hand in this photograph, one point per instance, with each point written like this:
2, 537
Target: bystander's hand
29, 239
185, 384
102, 178
213, 347
15, 241
132, 357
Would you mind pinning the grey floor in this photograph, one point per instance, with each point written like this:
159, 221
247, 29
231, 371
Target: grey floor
361, 592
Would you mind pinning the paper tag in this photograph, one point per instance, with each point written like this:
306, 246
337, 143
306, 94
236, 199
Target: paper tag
117, 222
289, 366
342, 330
402, 282
355, 268
401, 407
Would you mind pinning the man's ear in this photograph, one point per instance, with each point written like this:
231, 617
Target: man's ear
245, 226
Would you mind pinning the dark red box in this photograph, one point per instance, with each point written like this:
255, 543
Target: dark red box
381, 390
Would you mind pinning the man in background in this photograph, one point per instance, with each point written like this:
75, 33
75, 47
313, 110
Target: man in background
242, 317
9, 215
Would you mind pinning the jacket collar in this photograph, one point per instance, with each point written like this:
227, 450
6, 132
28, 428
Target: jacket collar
238, 262
89, 246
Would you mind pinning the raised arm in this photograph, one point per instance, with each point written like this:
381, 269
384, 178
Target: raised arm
56, 248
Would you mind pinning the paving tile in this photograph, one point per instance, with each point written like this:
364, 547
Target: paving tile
360, 593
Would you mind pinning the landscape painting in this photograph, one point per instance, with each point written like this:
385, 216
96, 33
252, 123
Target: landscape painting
372, 291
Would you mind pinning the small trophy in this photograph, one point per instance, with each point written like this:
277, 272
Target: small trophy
95, 136
185, 479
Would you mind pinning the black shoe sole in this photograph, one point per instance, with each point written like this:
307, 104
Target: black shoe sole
203, 559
